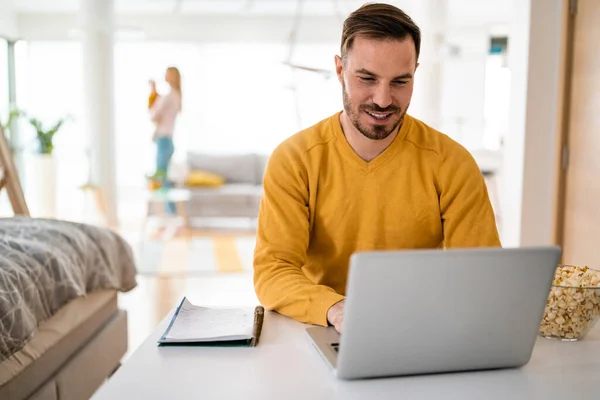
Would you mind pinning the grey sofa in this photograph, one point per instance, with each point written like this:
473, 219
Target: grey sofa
239, 197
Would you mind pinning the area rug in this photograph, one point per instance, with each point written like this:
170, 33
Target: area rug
213, 254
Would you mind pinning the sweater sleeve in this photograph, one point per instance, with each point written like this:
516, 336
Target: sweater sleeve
282, 241
467, 214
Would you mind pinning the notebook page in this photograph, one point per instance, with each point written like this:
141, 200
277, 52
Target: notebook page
195, 323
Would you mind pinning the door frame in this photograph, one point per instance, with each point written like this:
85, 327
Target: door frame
568, 38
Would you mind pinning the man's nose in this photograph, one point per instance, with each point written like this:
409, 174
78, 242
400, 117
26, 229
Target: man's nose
382, 97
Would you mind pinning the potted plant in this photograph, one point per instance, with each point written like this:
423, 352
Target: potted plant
41, 180
45, 136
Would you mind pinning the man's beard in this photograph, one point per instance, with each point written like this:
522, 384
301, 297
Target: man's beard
377, 132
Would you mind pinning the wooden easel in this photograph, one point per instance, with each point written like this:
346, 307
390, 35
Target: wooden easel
9, 178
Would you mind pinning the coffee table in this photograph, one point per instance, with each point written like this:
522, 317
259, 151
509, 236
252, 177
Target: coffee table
286, 366
158, 198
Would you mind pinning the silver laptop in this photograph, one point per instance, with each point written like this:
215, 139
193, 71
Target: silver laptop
432, 311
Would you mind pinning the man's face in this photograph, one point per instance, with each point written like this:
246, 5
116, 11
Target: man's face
377, 84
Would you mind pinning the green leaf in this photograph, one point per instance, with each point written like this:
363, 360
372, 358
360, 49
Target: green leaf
45, 137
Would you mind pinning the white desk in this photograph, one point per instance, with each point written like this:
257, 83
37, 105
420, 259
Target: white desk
286, 366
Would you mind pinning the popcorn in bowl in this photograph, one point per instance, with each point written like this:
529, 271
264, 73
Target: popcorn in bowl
573, 305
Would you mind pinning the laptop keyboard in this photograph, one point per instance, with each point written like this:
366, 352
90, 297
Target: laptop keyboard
335, 347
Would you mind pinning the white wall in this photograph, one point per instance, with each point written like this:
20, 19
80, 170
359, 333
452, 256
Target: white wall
467, 33
8, 20
473, 13
530, 165
463, 87
514, 142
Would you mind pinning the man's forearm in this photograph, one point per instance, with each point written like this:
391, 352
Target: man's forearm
289, 292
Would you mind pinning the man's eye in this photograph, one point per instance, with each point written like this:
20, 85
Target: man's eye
366, 79
399, 83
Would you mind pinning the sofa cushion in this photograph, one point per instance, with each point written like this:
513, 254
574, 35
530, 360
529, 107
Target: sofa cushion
203, 178
234, 168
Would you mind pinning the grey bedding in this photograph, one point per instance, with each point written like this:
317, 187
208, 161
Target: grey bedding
46, 263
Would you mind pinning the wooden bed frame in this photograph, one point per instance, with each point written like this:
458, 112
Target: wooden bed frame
78, 363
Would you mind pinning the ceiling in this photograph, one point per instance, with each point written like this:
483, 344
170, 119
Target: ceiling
227, 7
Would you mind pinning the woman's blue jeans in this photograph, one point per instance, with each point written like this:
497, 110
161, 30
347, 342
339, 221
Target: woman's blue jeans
164, 153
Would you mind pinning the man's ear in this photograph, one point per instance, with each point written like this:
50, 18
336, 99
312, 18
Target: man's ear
339, 68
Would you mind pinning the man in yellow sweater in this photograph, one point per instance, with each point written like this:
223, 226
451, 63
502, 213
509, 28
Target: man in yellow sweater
368, 177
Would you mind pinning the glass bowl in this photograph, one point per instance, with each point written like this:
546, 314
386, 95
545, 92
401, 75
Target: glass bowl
573, 305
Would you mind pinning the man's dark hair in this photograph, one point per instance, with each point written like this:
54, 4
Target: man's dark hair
379, 21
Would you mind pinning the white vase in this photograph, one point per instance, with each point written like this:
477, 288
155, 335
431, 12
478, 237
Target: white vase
41, 186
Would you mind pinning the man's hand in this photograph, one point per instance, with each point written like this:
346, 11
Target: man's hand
335, 315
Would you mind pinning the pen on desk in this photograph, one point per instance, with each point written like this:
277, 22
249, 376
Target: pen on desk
259, 313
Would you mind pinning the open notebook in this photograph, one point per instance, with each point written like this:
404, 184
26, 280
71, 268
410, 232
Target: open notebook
195, 325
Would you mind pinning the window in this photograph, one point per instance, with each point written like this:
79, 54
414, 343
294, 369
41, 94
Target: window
49, 87
237, 97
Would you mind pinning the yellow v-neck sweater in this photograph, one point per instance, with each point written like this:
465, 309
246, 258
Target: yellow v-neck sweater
322, 202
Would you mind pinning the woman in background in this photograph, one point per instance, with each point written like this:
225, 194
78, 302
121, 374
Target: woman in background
163, 113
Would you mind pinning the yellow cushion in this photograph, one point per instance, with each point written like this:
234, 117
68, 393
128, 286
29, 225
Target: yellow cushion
203, 178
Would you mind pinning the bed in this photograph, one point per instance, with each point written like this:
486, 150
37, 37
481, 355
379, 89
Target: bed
61, 330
